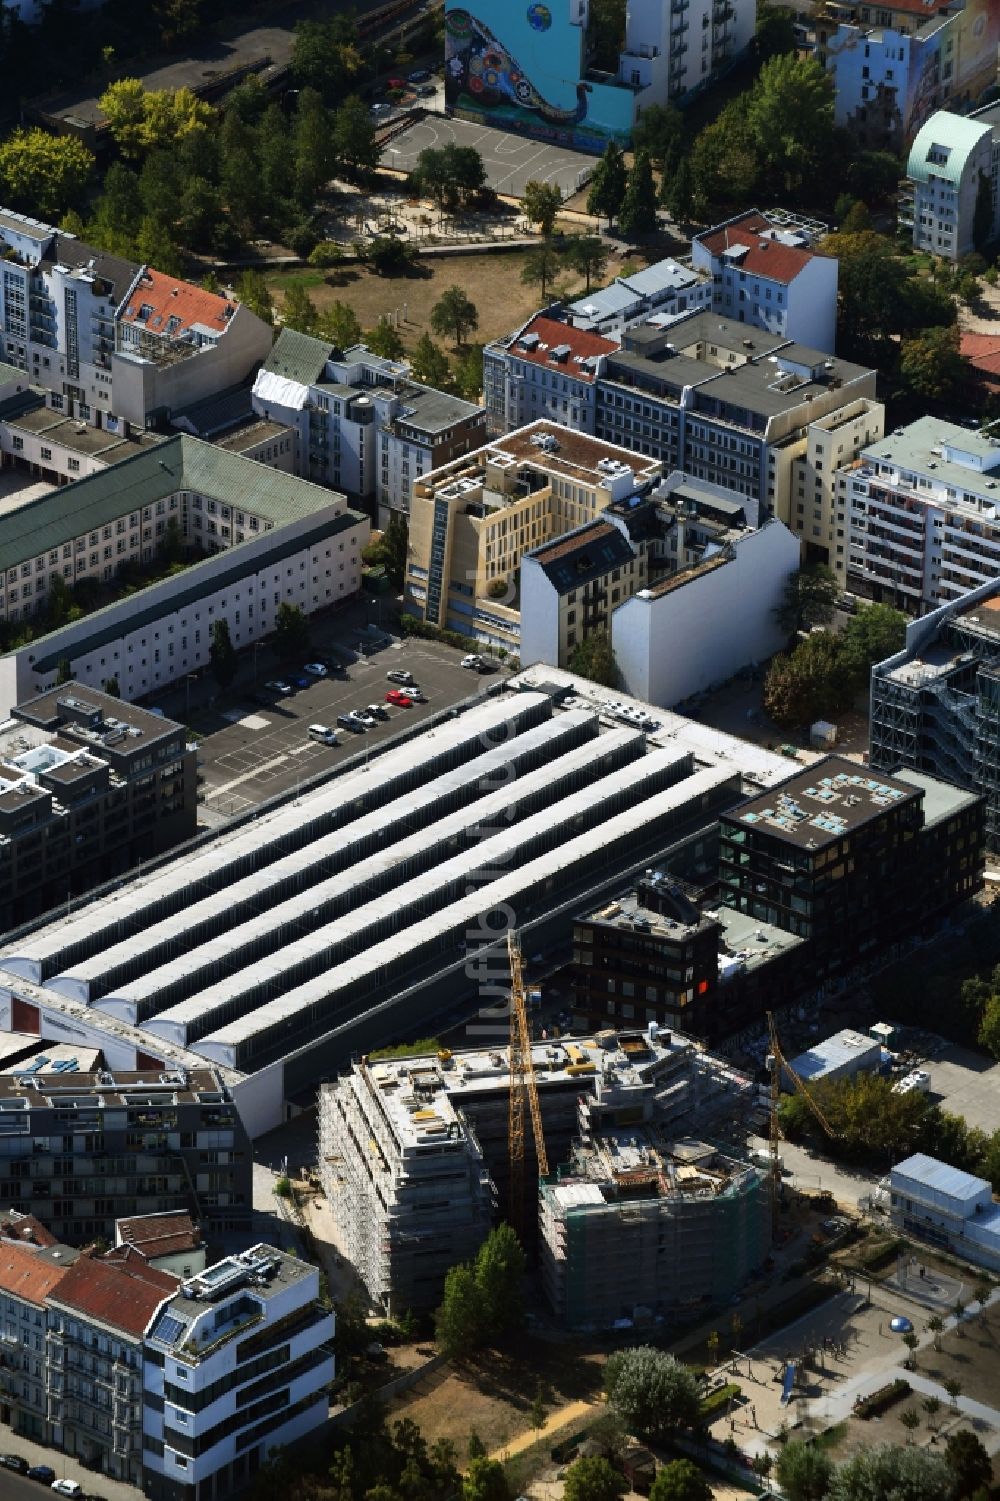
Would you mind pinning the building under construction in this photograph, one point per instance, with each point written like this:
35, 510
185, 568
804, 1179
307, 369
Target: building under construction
414, 1158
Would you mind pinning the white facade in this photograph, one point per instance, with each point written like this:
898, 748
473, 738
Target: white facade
949, 157
770, 277
673, 50
947, 1207
249, 1316
923, 509
699, 628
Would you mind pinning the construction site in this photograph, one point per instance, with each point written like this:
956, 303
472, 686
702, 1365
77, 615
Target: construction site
420, 1156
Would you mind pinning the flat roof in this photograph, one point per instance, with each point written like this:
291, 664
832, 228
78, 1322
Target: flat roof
433, 411
577, 455
821, 804
53, 711
931, 1173
845, 1047
941, 799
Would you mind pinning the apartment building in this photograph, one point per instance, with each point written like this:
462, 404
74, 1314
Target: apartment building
472, 521
265, 538
570, 586
170, 1241
809, 496
725, 405
547, 369
45, 445
672, 52
238, 1362
361, 424
29, 1274
113, 341
663, 290
935, 705
953, 166
81, 1150
89, 788
851, 862
923, 509
892, 63
770, 277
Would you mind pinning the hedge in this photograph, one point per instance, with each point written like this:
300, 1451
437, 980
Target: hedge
876, 1403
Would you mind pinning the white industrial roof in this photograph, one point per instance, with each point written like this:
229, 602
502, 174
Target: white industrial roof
843, 1048
281, 390
938, 1176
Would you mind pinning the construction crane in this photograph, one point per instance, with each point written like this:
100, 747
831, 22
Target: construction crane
522, 1083
778, 1062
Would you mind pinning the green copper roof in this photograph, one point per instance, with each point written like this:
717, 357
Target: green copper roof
298, 357
181, 463
955, 136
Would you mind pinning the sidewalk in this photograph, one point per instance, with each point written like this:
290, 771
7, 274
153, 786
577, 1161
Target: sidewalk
66, 1468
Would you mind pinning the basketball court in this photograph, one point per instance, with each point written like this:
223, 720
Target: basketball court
510, 160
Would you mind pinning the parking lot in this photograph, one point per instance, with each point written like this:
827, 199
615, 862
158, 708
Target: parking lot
966, 1083
255, 743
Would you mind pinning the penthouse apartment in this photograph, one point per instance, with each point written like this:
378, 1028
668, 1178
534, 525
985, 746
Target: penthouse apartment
81, 1150
472, 521
923, 509
361, 424
89, 787
935, 705
114, 341
726, 405
770, 277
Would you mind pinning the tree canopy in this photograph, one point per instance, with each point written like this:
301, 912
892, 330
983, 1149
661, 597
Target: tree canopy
680, 1480
607, 184
454, 313
142, 120
809, 599
652, 1392
593, 1479
594, 658
891, 1474
637, 215
44, 175
803, 1471
541, 201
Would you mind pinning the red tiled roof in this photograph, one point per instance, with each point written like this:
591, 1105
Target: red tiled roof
982, 352
582, 345
122, 1295
167, 298
27, 1275
764, 257
24, 1228
153, 1235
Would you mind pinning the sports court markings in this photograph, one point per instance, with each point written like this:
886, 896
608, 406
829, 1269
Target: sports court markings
510, 160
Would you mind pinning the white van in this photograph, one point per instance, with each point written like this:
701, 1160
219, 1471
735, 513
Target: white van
323, 734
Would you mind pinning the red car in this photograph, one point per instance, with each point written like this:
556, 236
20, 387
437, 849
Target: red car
399, 699
396, 83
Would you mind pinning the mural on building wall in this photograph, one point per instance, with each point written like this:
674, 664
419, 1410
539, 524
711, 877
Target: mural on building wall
513, 64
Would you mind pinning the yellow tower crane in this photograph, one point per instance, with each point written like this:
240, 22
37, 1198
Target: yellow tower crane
779, 1062
522, 1083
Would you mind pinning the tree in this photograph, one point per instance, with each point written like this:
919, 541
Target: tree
594, 658
606, 33
541, 265
354, 143
385, 341
809, 599
910, 1420
222, 654
429, 365
982, 214
387, 255
677, 196
390, 549
874, 633
200, 214
607, 185
313, 148
291, 633
458, 1321
969, 1462
155, 245
499, 1273
713, 1341
541, 201
651, 1391
171, 544
637, 216
454, 313
537, 1415
932, 365
811, 683
659, 132
475, 1448
469, 373
775, 32
680, 1480
952, 1385
790, 119
297, 309
485, 1480
911, 1342
339, 323
587, 255
989, 1027
44, 174
324, 56
252, 289
900, 1474
142, 120
724, 164
803, 1472
593, 1479
935, 1325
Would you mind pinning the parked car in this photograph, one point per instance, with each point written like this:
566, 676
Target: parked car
278, 685
299, 681
14, 1462
401, 700
67, 1487
315, 669
322, 734
350, 721
45, 1473
427, 91
419, 75
378, 110
416, 694
395, 83
472, 660
367, 718
398, 675
378, 711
